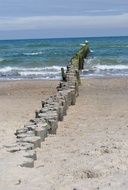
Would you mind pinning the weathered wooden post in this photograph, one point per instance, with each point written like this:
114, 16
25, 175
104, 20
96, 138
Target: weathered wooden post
63, 75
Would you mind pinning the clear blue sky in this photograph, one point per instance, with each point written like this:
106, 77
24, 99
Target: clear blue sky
62, 18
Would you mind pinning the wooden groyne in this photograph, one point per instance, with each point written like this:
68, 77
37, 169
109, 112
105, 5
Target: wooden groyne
52, 111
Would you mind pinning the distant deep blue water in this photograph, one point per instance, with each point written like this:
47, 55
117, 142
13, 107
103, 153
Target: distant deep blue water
42, 59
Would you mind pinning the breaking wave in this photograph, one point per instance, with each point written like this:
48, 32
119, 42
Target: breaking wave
105, 67
53, 72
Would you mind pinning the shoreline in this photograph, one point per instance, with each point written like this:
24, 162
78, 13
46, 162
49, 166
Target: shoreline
59, 79
103, 77
11, 80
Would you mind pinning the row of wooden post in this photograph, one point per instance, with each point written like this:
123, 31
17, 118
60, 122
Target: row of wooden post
78, 62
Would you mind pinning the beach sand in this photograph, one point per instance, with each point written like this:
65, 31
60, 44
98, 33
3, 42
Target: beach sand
90, 149
18, 102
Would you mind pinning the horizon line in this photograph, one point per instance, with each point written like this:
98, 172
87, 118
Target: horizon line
48, 38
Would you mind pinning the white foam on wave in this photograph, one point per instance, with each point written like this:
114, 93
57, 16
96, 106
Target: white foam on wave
33, 53
6, 69
82, 44
47, 72
99, 64
52, 68
111, 67
86, 41
37, 73
53, 72
91, 60
91, 51
95, 67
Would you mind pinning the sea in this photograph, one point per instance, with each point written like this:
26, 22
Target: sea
43, 58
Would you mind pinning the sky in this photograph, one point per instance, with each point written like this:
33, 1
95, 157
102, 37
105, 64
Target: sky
20, 19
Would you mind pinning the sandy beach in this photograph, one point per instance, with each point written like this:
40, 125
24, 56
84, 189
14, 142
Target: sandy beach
90, 149
18, 102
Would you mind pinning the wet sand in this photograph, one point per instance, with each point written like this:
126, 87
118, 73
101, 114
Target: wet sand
90, 149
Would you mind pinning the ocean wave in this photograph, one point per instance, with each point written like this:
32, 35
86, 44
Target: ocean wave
106, 46
118, 46
33, 53
98, 66
53, 72
1, 59
111, 67
52, 68
38, 73
82, 44
105, 67
91, 51
92, 61
105, 71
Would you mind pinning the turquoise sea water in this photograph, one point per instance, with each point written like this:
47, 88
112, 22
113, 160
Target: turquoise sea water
42, 59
